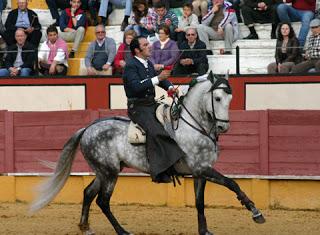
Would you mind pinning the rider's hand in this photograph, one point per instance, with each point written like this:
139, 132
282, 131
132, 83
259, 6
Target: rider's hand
164, 75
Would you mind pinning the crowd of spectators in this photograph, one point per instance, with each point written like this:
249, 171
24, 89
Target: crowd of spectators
180, 41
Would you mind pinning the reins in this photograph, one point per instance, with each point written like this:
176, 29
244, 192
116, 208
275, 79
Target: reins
200, 128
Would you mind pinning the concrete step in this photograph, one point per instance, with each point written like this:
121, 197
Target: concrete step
248, 47
81, 53
249, 64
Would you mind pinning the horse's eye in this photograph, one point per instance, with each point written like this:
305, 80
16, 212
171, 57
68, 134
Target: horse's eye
218, 99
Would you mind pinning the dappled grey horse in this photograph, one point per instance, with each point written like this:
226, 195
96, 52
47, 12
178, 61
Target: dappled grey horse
204, 115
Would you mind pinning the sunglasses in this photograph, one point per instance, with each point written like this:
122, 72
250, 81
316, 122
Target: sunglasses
315, 27
191, 34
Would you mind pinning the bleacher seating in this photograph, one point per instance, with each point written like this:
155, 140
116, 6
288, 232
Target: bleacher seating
255, 55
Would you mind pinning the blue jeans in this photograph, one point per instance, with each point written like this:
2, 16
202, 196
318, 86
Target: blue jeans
287, 13
24, 72
127, 4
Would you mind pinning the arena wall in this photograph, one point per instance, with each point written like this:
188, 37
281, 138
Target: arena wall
256, 92
273, 155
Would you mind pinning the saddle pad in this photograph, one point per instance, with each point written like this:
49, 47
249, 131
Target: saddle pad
136, 135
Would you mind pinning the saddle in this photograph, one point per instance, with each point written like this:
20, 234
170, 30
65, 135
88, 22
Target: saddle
136, 134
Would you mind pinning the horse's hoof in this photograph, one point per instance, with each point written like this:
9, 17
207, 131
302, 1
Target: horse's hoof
259, 219
88, 232
206, 233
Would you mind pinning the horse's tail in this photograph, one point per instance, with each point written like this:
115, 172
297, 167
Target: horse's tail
50, 188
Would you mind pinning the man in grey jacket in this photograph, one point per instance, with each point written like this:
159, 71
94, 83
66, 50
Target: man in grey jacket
220, 23
100, 53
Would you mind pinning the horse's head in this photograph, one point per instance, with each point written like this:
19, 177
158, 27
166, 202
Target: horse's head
217, 101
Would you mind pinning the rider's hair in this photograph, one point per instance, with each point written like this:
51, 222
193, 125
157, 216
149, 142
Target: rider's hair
135, 44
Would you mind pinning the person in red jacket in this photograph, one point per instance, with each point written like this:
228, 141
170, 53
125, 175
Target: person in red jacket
299, 10
123, 53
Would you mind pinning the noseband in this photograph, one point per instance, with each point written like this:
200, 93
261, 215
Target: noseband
200, 128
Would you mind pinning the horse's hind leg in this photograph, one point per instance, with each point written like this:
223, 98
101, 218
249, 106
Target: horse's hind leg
214, 176
103, 201
88, 195
199, 186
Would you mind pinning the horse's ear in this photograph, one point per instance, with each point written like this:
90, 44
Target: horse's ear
211, 77
227, 75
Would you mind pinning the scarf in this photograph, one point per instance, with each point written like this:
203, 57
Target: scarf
59, 44
68, 11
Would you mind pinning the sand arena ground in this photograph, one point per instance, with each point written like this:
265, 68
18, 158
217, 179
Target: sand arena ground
149, 220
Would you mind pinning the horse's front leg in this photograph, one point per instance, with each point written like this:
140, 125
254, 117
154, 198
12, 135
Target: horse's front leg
199, 186
216, 177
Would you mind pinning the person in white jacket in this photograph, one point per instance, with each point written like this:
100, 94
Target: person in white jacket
53, 54
220, 23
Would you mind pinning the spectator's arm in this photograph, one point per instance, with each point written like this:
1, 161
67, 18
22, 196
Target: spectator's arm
174, 53
194, 20
119, 56
207, 18
63, 21
30, 59
174, 21
81, 20
228, 16
36, 24
89, 55
42, 52
112, 49
10, 22
9, 60
60, 56
294, 52
201, 56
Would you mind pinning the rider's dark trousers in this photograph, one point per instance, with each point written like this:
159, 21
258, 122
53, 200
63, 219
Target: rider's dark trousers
162, 150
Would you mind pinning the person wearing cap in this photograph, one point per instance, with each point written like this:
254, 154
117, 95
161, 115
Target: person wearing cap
312, 53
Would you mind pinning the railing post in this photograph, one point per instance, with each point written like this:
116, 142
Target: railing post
237, 60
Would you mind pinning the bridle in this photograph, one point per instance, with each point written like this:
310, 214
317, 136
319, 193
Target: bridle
215, 86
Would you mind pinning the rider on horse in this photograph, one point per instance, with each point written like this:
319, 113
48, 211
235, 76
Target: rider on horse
139, 80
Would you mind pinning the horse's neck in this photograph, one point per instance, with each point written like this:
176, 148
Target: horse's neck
194, 105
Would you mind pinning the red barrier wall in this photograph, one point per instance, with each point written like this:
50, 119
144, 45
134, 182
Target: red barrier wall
258, 143
98, 89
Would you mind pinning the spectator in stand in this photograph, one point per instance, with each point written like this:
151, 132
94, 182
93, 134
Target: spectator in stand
123, 53
188, 19
24, 18
53, 54
257, 11
220, 23
142, 20
165, 52
127, 4
312, 54
287, 50
20, 59
200, 8
193, 58
55, 5
100, 53
165, 17
72, 25
300, 10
